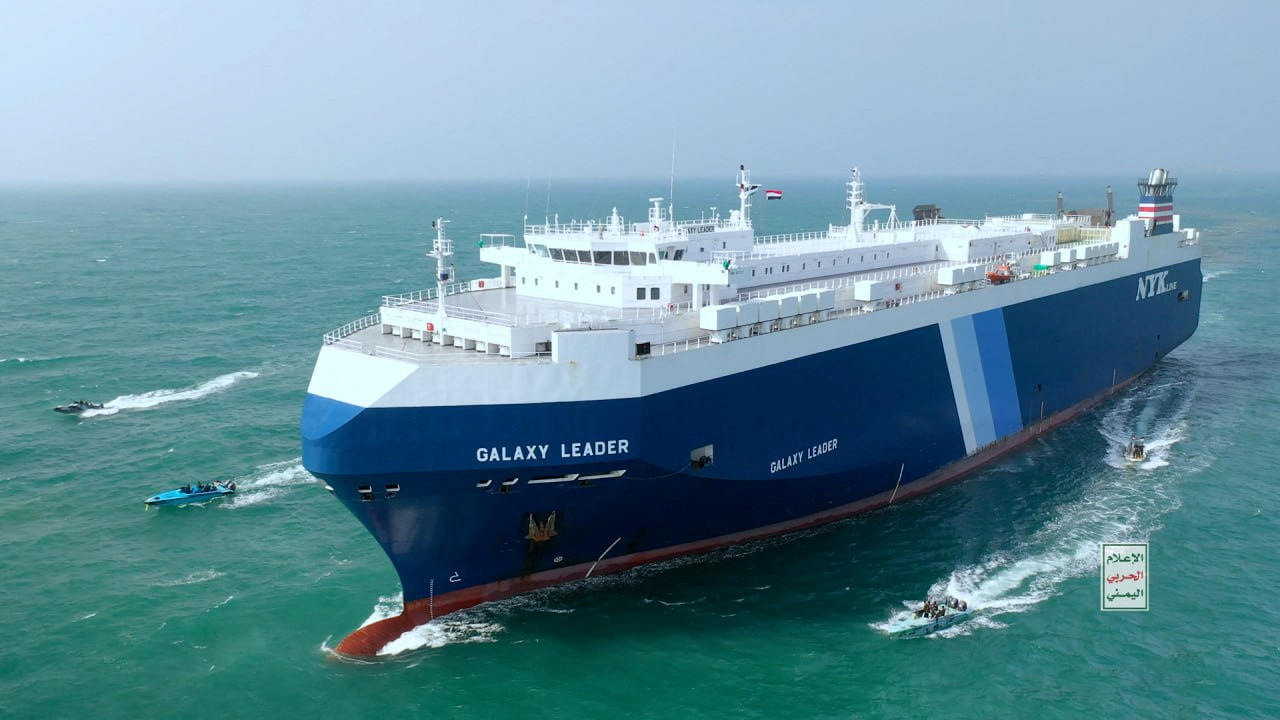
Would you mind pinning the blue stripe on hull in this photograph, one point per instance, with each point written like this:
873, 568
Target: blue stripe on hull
888, 402
997, 371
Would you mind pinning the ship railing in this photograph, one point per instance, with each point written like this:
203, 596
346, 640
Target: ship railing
850, 281
576, 227
1069, 236
607, 317
485, 316
335, 337
556, 316
791, 237
427, 294
1022, 218
499, 240
675, 346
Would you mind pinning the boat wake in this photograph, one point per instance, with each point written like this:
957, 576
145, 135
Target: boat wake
155, 398
1216, 274
268, 481
466, 626
194, 578
1115, 505
1157, 412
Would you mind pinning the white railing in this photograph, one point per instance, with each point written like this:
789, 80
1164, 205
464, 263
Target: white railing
792, 237
427, 294
498, 240
336, 336
676, 346
576, 227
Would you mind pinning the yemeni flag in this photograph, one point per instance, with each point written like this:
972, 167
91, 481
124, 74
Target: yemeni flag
773, 194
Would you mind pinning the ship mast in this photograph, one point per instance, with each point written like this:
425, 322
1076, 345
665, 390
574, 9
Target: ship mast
745, 190
859, 208
442, 251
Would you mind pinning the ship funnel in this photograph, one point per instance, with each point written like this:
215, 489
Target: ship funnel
1155, 202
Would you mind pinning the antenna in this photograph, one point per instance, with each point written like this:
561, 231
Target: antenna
528, 181
671, 190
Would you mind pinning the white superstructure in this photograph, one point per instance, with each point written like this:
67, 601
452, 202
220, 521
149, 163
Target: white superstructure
679, 285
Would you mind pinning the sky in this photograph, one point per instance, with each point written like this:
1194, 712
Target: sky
141, 91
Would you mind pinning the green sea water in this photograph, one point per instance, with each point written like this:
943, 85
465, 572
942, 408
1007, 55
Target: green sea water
196, 312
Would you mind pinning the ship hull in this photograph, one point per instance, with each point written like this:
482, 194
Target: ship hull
477, 502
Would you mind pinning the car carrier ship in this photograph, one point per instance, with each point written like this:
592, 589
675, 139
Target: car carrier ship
625, 392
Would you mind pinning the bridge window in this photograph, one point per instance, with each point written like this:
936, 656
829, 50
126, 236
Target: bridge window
602, 257
620, 257
637, 258
557, 254
679, 253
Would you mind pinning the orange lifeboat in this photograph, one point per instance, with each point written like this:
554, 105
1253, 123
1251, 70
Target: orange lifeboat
1000, 275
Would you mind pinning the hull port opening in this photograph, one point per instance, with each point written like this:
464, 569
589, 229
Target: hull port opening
702, 457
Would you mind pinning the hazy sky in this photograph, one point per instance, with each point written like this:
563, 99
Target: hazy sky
229, 90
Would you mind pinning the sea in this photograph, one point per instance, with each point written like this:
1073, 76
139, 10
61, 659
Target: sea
195, 312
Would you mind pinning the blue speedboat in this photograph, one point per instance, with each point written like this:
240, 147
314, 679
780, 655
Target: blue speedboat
192, 493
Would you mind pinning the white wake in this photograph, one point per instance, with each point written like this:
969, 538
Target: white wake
268, 481
155, 398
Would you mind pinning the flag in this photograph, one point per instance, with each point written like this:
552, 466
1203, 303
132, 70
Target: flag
773, 194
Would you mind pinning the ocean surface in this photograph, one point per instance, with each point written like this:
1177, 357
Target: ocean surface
195, 314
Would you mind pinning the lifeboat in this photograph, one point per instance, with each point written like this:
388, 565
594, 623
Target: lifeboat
1000, 275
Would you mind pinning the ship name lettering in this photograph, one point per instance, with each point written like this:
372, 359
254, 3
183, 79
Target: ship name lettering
1154, 284
508, 453
796, 458
593, 448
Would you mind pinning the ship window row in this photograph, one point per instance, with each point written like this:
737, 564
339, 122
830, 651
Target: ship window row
654, 293
671, 254
596, 257
768, 270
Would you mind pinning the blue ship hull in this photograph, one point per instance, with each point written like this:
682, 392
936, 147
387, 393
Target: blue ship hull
796, 444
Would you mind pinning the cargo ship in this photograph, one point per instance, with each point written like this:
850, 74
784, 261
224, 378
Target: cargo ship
621, 392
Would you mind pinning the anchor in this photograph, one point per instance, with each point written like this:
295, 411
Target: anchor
541, 532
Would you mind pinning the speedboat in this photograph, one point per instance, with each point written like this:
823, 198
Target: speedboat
192, 493
921, 621
78, 407
1136, 451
